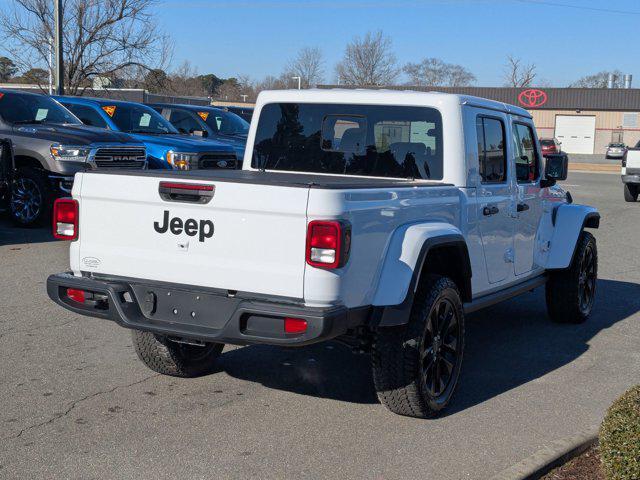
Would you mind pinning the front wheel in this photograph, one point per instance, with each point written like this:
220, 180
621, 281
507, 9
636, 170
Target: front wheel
30, 202
571, 293
175, 359
630, 192
416, 366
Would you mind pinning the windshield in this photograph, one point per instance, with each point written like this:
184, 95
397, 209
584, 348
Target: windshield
138, 119
547, 143
225, 123
24, 109
367, 140
617, 145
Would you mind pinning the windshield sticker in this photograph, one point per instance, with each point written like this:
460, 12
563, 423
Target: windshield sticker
145, 120
204, 115
109, 110
41, 114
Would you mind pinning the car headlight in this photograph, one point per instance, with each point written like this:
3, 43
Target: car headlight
69, 154
181, 161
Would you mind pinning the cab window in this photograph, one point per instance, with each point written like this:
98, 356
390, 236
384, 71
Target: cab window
527, 160
184, 121
492, 155
366, 140
87, 115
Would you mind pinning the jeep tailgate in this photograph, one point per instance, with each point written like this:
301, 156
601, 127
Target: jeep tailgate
247, 237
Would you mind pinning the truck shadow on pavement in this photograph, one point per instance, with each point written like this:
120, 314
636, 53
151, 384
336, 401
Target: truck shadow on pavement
10, 234
508, 345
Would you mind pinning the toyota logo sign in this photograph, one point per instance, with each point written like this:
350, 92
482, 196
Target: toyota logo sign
532, 97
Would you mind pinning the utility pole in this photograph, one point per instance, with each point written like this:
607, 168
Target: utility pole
57, 13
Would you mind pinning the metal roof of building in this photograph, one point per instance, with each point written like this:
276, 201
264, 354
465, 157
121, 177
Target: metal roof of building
542, 98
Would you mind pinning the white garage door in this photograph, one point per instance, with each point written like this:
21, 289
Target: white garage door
577, 133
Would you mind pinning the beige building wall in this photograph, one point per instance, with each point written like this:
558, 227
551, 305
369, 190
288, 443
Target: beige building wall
608, 125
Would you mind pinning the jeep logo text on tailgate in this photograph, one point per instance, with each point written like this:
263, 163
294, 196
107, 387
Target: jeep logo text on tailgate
204, 228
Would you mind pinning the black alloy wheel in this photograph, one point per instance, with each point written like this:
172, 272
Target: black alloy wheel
26, 201
439, 352
587, 279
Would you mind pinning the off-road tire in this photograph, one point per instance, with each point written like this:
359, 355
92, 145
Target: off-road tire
564, 289
630, 192
398, 371
38, 179
175, 359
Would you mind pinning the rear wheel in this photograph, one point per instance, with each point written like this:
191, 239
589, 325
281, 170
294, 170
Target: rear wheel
416, 366
630, 192
175, 359
30, 202
571, 293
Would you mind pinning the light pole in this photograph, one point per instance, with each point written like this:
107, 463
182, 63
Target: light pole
244, 98
299, 81
57, 14
50, 65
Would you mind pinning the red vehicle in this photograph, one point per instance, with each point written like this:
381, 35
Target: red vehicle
549, 145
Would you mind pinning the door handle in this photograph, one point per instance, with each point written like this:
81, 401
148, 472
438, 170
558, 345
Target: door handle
490, 210
522, 207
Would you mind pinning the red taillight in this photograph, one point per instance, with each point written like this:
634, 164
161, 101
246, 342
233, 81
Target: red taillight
76, 295
65, 219
186, 186
328, 244
295, 325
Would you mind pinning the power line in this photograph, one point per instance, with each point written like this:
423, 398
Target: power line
578, 7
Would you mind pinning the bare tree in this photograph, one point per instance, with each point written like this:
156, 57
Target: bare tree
599, 80
518, 74
308, 65
100, 38
458, 76
434, 72
368, 61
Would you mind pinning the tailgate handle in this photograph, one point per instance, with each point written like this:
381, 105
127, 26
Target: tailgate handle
186, 192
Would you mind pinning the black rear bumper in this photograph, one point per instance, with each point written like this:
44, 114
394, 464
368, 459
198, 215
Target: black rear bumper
188, 312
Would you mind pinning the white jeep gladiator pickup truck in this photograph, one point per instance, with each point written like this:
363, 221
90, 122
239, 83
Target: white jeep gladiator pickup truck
380, 218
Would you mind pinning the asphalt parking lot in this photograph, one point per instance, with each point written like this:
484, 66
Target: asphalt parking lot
76, 403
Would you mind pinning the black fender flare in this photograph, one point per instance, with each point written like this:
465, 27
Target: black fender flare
393, 315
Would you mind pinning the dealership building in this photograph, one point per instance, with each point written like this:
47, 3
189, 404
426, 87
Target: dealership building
585, 120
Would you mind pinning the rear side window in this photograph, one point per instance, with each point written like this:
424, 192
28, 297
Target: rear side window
492, 155
366, 140
527, 161
87, 115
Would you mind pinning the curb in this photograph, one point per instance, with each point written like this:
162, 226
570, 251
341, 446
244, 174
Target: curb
593, 167
546, 459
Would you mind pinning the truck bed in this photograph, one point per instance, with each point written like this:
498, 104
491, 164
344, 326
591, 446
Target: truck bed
282, 179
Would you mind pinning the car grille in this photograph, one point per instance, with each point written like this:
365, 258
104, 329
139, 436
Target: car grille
226, 161
130, 158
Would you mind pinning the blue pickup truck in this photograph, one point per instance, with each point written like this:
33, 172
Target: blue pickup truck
210, 122
166, 146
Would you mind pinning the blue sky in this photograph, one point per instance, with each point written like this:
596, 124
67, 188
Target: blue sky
256, 38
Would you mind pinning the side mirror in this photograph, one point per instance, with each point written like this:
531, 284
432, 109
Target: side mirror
556, 168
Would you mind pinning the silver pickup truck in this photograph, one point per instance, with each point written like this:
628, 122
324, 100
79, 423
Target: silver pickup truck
631, 173
50, 145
